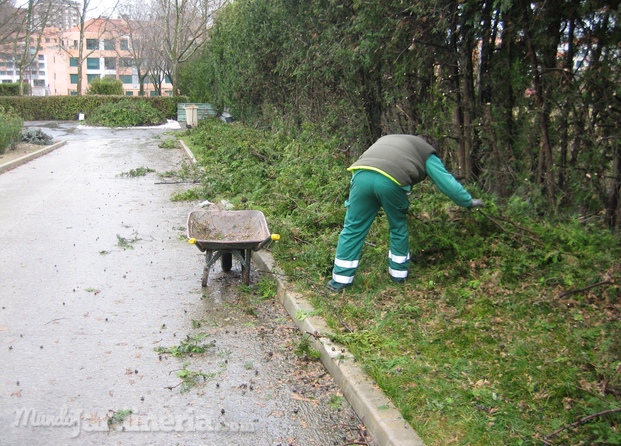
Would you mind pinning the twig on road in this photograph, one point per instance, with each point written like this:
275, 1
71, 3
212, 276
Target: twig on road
54, 320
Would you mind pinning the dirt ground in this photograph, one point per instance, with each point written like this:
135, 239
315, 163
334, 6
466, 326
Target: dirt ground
21, 150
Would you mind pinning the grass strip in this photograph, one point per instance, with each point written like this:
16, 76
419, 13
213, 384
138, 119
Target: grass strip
508, 328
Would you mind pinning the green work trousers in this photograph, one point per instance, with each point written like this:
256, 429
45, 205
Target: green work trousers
369, 191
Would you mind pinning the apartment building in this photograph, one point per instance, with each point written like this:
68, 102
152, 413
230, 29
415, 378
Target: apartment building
106, 51
62, 14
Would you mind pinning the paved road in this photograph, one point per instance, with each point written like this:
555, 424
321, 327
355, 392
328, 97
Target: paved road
81, 315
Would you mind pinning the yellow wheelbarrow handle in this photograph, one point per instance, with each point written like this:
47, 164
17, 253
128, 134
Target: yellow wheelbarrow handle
267, 241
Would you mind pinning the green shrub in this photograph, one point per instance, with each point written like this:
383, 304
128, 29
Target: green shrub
126, 113
36, 136
10, 129
508, 326
12, 89
106, 86
66, 108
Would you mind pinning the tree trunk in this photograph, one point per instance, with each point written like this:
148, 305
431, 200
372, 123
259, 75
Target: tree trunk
371, 87
546, 176
567, 78
468, 102
612, 210
498, 163
456, 92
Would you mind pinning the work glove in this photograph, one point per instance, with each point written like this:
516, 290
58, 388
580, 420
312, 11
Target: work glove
476, 203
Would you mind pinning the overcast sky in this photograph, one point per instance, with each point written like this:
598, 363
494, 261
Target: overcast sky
96, 8
101, 8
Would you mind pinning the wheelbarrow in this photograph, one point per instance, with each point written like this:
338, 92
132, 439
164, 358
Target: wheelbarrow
227, 234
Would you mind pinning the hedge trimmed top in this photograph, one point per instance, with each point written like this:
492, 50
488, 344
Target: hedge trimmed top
66, 108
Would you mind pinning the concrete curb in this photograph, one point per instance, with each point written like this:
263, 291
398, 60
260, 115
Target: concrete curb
188, 152
378, 413
24, 159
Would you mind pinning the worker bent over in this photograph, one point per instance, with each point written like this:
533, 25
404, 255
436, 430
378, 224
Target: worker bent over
383, 177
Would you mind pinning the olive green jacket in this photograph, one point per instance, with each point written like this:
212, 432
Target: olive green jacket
408, 160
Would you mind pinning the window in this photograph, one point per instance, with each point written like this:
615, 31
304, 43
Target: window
92, 63
47, 40
110, 63
92, 44
41, 73
74, 78
41, 65
126, 78
41, 57
38, 83
73, 62
155, 93
90, 77
2, 73
167, 80
129, 93
75, 44
126, 62
109, 44
124, 45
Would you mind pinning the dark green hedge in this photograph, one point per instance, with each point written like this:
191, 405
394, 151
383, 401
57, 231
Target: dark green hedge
12, 89
66, 108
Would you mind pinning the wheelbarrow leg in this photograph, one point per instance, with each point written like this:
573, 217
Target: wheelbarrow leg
246, 267
208, 255
227, 261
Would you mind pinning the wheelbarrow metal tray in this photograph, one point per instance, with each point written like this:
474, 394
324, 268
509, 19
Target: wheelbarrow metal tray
218, 230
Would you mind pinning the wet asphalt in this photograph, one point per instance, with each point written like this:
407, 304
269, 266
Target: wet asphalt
98, 286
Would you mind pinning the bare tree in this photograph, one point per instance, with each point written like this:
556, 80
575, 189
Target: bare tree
160, 65
10, 18
183, 25
141, 37
28, 37
97, 27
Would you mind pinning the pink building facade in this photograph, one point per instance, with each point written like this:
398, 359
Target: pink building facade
106, 51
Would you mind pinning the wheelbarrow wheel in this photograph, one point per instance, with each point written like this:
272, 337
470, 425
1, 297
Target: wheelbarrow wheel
227, 261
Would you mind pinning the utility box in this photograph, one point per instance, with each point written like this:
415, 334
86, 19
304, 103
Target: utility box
191, 115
